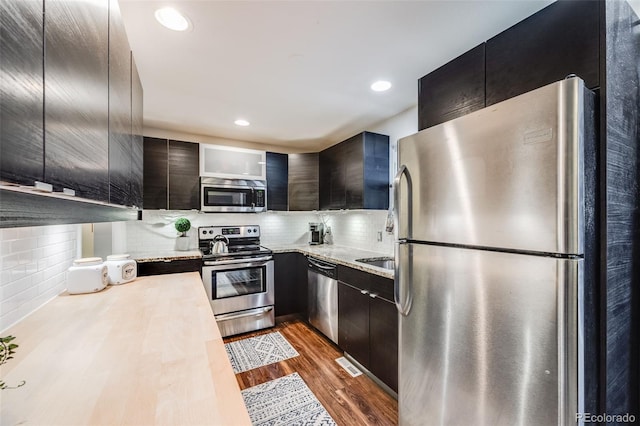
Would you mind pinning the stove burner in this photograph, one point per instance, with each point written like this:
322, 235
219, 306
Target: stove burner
244, 242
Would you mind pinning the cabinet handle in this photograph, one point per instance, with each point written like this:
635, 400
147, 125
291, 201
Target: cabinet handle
167, 260
373, 295
364, 292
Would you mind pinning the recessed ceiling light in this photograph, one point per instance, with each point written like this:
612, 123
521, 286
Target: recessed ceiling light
380, 86
172, 19
241, 122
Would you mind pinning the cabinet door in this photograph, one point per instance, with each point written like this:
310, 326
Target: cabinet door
332, 177
184, 183
137, 143
383, 341
76, 107
286, 283
561, 39
21, 91
303, 182
174, 266
453, 90
120, 146
351, 157
353, 323
376, 171
156, 173
277, 181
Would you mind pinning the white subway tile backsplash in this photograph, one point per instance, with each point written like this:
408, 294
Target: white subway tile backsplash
33, 263
357, 229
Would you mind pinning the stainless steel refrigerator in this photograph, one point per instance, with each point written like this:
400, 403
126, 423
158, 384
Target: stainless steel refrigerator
489, 263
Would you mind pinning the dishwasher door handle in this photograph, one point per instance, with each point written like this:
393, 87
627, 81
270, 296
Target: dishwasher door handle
326, 268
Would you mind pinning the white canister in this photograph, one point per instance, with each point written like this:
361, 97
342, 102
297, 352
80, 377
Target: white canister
122, 269
87, 275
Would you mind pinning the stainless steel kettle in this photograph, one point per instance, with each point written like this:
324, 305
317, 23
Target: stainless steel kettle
219, 244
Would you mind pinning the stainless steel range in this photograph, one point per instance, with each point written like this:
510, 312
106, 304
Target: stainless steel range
239, 283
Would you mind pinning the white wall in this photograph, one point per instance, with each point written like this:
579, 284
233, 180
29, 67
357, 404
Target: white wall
190, 137
33, 265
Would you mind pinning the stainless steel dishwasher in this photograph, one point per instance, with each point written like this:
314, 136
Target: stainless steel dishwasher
323, 297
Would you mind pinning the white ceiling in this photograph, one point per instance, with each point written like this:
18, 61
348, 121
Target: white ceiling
299, 71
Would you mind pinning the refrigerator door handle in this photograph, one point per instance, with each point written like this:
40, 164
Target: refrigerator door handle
396, 202
402, 291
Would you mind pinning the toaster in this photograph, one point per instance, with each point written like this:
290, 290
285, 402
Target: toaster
87, 275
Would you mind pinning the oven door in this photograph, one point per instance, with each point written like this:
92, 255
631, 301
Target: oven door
226, 199
239, 284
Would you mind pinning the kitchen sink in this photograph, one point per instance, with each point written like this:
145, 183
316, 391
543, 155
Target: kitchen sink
380, 262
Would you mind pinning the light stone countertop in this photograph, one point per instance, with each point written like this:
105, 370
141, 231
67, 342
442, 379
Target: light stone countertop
345, 256
147, 352
161, 255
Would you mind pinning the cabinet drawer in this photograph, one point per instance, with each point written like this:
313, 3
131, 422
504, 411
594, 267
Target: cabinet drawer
169, 267
377, 284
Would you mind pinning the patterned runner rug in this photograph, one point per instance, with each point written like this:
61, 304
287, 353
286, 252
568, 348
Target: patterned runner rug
254, 352
285, 401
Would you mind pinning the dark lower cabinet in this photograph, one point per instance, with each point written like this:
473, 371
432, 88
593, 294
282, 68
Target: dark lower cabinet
561, 39
368, 323
353, 323
277, 181
21, 91
290, 281
169, 267
76, 105
383, 338
453, 90
303, 182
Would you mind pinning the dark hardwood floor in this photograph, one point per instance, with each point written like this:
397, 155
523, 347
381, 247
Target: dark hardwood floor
349, 400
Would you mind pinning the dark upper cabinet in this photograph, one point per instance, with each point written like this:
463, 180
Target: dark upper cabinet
453, 90
137, 143
120, 144
277, 181
303, 182
559, 40
171, 174
156, 172
184, 175
76, 107
354, 174
21, 91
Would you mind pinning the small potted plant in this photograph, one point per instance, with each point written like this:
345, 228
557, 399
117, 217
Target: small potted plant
182, 226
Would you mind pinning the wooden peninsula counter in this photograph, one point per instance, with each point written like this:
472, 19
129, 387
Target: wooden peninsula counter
144, 353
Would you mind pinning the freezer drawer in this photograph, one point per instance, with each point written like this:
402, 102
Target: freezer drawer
489, 338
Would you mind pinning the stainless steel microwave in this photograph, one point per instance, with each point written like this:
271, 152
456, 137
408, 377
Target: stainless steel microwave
232, 195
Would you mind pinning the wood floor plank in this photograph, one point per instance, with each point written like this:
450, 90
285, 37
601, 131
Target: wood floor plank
349, 400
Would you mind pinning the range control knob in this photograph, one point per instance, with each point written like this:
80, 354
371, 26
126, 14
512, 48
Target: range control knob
249, 230
204, 232
211, 231
255, 230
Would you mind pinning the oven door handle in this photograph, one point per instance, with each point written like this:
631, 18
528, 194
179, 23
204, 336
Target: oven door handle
252, 313
258, 261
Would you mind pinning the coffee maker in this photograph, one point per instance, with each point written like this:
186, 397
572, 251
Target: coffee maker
316, 233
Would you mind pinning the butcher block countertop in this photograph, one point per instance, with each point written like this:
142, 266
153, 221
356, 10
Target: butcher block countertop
144, 353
